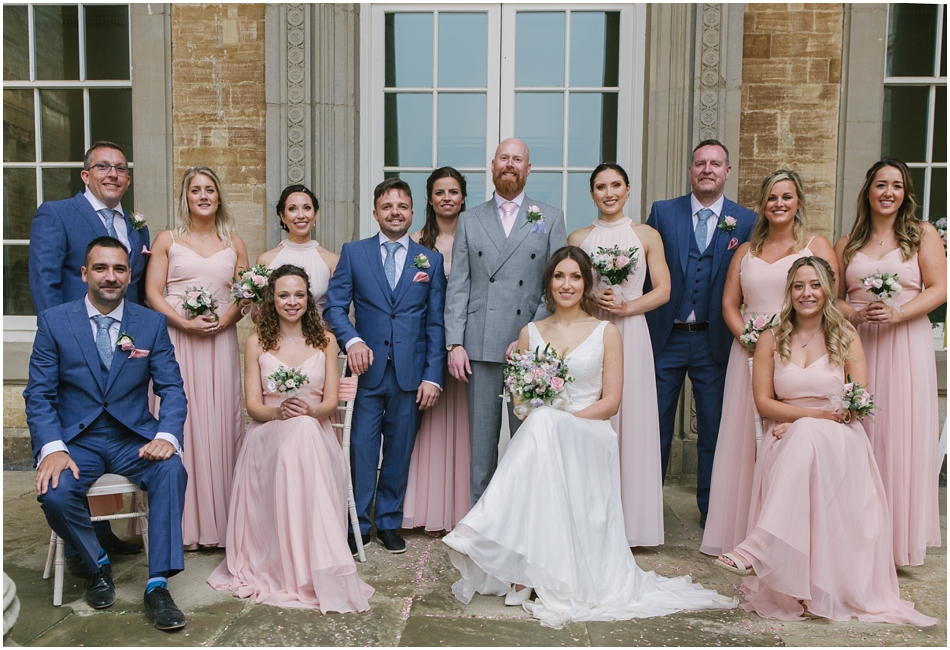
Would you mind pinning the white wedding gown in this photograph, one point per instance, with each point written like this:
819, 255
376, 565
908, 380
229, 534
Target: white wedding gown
551, 518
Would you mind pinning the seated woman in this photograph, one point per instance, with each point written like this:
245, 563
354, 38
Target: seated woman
286, 542
820, 538
551, 518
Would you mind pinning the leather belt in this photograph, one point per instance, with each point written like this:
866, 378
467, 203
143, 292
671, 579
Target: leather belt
691, 327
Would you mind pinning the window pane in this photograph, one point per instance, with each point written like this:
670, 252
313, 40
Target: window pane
475, 188
461, 129
463, 50
107, 42
539, 121
57, 41
595, 48
110, 117
911, 40
19, 137
943, 50
938, 193
409, 50
19, 202
417, 183
16, 47
940, 125
905, 124
545, 187
408, 126
16, 282
917, 178
62, 183
592, 131
62, 125
539, 48
581, 210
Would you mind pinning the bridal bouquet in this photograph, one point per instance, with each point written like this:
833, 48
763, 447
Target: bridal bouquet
286, 380
754, 327
613, 266
198, 301
536, 379
250, 284
884, 287
854, 397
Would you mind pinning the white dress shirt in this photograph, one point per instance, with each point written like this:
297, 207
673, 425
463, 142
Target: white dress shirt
121, 228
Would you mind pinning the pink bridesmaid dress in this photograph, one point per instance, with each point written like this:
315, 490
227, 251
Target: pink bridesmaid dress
211, 370
637, 423
902, 376
819, 527
763, 292
287, 539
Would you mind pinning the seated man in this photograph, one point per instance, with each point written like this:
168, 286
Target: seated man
87, 409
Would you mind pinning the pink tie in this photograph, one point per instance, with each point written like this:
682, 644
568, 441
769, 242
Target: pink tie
508, 217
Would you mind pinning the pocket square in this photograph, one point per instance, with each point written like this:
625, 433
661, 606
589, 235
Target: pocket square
420, 276
733, 243
138, 354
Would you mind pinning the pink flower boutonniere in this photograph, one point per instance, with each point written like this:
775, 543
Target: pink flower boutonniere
727, 224
138, 221
420, 261
125, 342
535, 217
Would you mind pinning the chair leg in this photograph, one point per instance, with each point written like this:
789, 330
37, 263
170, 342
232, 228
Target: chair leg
58, 572
50, 555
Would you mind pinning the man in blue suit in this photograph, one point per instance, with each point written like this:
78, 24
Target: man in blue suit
87, 409
700, 232
397, 349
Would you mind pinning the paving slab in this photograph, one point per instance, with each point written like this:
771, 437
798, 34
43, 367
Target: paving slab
433, 631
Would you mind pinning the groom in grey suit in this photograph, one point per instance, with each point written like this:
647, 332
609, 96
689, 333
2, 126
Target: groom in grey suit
494, 290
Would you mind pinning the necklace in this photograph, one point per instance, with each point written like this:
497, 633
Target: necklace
811, 337
203, 239
290, 338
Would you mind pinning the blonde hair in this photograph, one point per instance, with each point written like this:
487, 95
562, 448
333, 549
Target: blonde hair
223, 219
761, 228
838, 331
908, 229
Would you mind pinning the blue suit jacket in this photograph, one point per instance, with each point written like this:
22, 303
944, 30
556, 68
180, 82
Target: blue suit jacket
59, 234
66, 391
409, 318
673, 220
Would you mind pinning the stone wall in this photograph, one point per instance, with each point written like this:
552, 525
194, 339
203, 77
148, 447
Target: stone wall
791, 77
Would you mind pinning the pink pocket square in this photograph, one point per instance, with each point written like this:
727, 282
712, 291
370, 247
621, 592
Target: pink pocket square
420, 276
733, 243
138, 354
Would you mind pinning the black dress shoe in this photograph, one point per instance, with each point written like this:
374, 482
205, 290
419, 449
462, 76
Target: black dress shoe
100, 590
115, 546
702, 520
352, 542
163, 610
391, 541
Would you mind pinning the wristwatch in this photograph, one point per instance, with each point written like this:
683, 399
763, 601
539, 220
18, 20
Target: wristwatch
452, 346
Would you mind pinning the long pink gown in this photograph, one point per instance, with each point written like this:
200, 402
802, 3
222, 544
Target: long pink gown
287, 540
637, 423
763, 291
902, 376
211, 370
819, 527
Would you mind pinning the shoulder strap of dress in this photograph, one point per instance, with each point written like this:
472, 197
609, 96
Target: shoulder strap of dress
810, 241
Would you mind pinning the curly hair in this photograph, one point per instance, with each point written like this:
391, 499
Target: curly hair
761, 229
583, 262
282, 201
430, 230
838, 331
223, 220
268, 327
907, 228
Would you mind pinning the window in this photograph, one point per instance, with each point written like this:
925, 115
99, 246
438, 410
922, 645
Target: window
66, 84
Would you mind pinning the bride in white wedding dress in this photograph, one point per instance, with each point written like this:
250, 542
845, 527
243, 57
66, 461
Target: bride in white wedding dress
550, 520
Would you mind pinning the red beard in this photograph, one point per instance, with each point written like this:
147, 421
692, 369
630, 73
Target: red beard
507, 186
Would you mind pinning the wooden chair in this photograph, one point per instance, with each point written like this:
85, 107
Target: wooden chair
345, 409
758, 418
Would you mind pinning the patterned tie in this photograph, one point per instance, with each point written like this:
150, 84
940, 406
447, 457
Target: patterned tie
702, 228
103, 340
110, 222
508, 216
389, 266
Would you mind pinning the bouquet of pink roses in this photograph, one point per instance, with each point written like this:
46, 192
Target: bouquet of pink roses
883, 286
613, 266
755, 325
286, 380
536, 379
198, 301
853, 397
250, 284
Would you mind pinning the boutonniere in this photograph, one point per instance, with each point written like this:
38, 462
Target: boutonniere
138, 221
125, 342
420, 261
535, 217
727, 224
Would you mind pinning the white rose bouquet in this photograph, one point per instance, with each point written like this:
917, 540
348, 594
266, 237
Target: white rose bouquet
536, 379
613, 266
883, 286
197, 301
286, 380
250, 283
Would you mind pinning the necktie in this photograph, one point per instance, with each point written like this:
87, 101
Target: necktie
508, 216
110, 222
389, 266
103, 340
702, 228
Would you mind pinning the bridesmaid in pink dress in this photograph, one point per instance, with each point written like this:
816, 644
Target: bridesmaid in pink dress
819, 532
887, 237
755, 285
204, 252
287, 533
438, 494
637, 422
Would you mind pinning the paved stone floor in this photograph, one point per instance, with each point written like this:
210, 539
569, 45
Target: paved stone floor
413, 604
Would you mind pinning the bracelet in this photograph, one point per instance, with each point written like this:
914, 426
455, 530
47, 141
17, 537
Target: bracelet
846, 418
850, 315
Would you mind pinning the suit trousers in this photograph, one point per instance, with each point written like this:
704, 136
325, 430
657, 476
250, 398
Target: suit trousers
389, 414
484, 392
115, 450
690, 352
